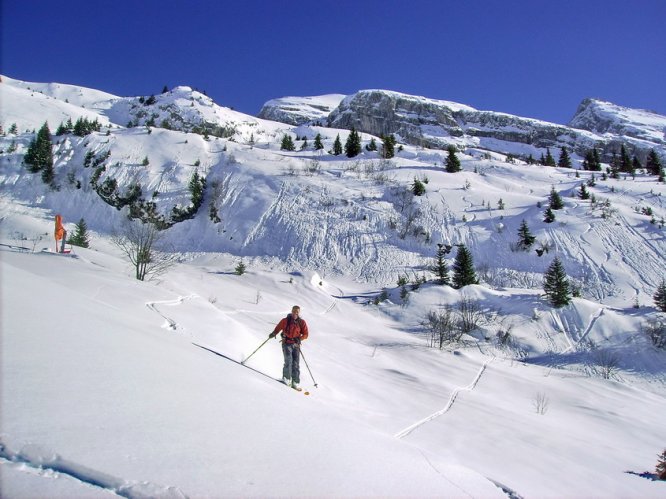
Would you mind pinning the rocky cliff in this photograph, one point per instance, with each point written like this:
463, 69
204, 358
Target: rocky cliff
300, 110
436, 123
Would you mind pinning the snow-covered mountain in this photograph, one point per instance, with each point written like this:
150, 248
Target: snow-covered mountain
435, 124
104, 386
300, 110
606, 118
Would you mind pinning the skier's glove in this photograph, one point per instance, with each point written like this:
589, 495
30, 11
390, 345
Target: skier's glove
272, 335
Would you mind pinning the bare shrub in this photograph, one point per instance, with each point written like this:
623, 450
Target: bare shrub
471, 315
606, 364
142, 244
442, 326
540, 403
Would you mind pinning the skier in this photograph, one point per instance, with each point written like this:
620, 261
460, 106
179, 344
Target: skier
59, 233
294, 330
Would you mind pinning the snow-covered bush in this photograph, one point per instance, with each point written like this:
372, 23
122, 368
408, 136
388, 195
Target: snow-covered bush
655, 329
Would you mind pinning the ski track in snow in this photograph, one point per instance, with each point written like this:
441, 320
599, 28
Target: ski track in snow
452, 399
170, 323
574, 344
36, 458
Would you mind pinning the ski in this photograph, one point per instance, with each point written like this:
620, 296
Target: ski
299, 389
248, 367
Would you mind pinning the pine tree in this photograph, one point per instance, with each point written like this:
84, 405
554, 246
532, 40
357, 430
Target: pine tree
556, 285
80, 236
549, 161
318, 145
388, 147
626, 165
661, 466
441, 269
660, 296
452, 161
353, 144
614, 166
526, 237
583, 194
549, 216
287, 143
564, 160
240, 268
463, 268
653, 164
39, 156
555, 200
337, 146
418, 188
372, 146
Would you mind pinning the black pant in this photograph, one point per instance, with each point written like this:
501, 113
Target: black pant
291, 369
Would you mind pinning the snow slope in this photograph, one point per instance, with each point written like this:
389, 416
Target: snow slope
104, 392
105, 388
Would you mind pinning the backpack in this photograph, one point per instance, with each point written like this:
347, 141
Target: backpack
293, 329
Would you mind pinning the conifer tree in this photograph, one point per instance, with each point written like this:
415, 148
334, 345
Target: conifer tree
626, 166
353, 144
661, 466
337, 146
556, 284
240, 268
441, 269
564, 160
526, 237
287, 143
660, 296
549, 160
388, 147
653, 164
372, 146
463, 268
318, 145
452, 161
418, 188
39, 156
592, 161
549, 216
614, 166
583, 193
80, 236
555, 200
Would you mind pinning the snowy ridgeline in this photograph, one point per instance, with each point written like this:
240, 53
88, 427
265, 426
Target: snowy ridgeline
104, 390
309, 209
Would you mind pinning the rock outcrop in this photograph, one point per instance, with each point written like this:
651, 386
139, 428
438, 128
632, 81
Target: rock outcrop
436, 124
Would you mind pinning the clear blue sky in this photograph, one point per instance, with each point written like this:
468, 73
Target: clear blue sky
536, 58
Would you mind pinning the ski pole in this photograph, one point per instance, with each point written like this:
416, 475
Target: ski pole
306, 365
248, 358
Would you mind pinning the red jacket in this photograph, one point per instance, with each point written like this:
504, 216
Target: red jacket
292, 330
